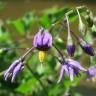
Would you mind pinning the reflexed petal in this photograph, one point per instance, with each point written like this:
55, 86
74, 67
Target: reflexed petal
35, 41
71, 73
76, 64
39, 39
10, 69
42, 40
47, 39
13, 65
16, 71
76, 72
6, 76
66, 68
61, 73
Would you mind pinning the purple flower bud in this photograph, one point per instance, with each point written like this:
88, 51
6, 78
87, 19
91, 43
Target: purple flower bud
43, 40
71, 50
70, 45
14, 70
91, 71
71, 68
87, 48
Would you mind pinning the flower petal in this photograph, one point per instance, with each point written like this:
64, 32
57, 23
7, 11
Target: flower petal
71, 73
76, 64
61, 74
17, 70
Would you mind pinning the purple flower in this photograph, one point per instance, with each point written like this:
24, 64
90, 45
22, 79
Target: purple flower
43, 40
71, 68
15, 68
87, 48
71, 50
91, 72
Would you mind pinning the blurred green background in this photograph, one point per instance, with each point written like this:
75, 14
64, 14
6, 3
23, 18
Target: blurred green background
13, 36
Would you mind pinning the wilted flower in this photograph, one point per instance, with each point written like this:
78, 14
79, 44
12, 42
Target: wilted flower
14, 70
71, 68
43, 40
87, 48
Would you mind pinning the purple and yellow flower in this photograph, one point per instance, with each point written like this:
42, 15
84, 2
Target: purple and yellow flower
71, 68
16, 67
87, 48
43, 40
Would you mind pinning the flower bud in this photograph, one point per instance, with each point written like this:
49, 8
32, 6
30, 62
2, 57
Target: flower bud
70, 45
87, 48
71, 50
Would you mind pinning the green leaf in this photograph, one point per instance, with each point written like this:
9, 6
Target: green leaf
52, 15
23, 24
73, 14
28, 20
18, 24
28, 86
4, 35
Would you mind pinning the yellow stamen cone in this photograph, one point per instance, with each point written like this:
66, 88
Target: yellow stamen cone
41, 57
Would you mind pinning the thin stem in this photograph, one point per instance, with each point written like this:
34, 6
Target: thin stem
24, 55
67, 92
59, 52
80, 20
65, 28
69, 35
42, 85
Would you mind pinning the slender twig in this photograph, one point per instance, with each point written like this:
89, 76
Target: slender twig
65, 28
24, 55
59, 52
42, 85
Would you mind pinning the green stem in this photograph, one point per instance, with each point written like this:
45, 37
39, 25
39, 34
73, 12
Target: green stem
59, 52
24, 55
42, 85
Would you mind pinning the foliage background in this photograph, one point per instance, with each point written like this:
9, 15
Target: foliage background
17, 34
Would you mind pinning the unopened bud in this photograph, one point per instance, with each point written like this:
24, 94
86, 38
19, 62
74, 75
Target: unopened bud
87, 48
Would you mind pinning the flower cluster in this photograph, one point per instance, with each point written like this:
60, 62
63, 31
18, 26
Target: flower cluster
43, 41
86, 47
